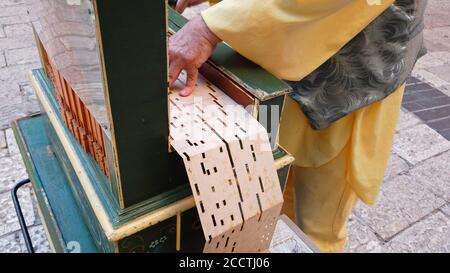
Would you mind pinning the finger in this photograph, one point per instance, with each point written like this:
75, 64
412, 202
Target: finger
192, 76
194, 3
175, 69
197, 2
181, 5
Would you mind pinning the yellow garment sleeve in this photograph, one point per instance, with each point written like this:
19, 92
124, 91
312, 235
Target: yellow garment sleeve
291, 38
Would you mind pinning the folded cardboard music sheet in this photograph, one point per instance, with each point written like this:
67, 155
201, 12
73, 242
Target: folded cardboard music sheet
230, 166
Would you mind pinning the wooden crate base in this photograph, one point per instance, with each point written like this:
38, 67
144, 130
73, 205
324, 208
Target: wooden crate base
169, 228
62, 219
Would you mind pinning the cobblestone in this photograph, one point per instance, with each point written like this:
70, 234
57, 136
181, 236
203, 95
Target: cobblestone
13, 149
17, 42
418, 143
6, 3
8, 218
10, 173
17, 30
10, 244
407, 120
446, 209
402, 202
22, 56
17, 73
2, 60
396, 166
3, 144
7, 10
439, 169
38, 238
362, 239
431, 78
14, 19
432, 234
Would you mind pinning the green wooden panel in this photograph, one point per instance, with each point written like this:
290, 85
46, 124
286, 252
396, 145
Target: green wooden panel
56, 201
160, 238
133, 35
192, 238
47, 217
80, 197
278, 153
176, 178
255, 79
283, 176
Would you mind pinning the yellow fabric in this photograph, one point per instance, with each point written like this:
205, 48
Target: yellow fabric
336, 166
369, 130
323, 202
291, 38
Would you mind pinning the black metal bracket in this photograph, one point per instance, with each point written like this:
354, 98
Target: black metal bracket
18, 208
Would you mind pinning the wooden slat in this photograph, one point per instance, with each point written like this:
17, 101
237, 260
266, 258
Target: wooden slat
86, 130
233, 90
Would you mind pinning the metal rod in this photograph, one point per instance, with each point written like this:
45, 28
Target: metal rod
18, 208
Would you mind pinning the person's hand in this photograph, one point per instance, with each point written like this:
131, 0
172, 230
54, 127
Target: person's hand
183, 4
189, 49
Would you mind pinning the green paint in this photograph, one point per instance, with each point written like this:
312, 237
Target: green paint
283, 176
279, 153
81, 199
48, 218
192, 238
159, 238
135, 56
55, 199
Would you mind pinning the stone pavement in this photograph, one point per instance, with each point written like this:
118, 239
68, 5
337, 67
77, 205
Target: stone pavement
18, 55
413, 210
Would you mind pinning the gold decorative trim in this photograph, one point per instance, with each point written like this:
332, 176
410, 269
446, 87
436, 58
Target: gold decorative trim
178, 247
108, 107
284, 161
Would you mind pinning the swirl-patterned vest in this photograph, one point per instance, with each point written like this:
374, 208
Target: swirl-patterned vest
369, 68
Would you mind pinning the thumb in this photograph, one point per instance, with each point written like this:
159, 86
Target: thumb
191, 81
181, 5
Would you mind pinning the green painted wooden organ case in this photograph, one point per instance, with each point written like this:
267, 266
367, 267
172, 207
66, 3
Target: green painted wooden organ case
103, 91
